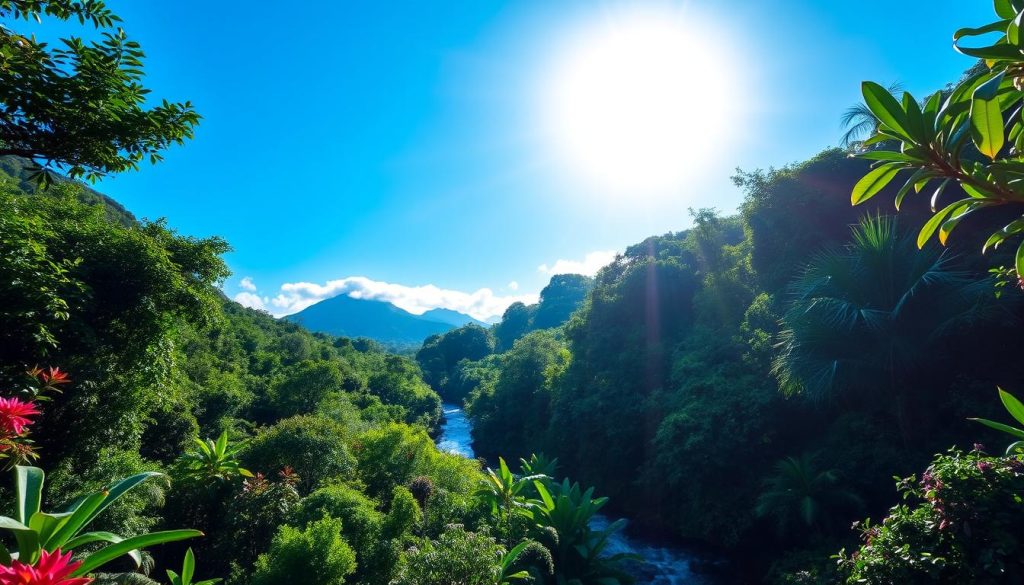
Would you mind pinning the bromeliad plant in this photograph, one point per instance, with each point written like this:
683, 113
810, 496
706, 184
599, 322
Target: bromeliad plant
40, 534
1016, 409
972, 136
212, 460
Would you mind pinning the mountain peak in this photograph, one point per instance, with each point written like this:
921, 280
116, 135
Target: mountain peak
381, 321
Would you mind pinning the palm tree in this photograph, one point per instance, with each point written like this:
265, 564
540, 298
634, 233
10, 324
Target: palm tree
800, 491
860, 123
864, 320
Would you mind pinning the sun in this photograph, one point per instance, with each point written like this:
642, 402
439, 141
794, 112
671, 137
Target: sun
640, 100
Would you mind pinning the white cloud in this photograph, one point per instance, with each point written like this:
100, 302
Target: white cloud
513, 285
252, 300
248, 284
481, 304
589, 266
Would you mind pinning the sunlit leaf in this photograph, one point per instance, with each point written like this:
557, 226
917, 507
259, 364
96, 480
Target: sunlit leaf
873, 182
987, 126
885, 108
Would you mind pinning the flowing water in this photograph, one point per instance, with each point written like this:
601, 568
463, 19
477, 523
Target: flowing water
664, 565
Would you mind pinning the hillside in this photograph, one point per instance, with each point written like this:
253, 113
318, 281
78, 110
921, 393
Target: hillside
381, 321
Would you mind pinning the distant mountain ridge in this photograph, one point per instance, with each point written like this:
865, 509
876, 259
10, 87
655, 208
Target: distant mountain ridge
381, 321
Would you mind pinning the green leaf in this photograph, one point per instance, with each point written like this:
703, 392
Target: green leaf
79, 516
1014, 227
999, 25
873, 182
950, 224
888, 156
29, 487
1013, 35
1015, 448
987, 126
936, 220
27, 539
1000, 427
885, 108
1019, 261
189, 566
993, 53
119, 489
1004, 8
105, 555
1013, 406
938, 193
905, 189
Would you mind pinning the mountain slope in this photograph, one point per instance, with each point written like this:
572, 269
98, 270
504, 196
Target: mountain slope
453, 318
378, 320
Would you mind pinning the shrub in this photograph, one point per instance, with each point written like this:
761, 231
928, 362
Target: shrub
313, 446
316, 555
962, 525
459, 556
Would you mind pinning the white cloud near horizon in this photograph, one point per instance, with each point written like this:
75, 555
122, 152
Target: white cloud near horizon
252, 300
482, 304
589, 266
248, 284
513, 285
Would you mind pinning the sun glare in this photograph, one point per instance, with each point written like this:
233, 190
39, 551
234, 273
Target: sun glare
639, 101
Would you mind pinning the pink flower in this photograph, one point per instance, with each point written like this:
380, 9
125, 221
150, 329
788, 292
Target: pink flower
51, 569
14, 415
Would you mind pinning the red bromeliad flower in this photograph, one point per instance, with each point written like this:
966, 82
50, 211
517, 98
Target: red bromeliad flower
14, 415
51, 569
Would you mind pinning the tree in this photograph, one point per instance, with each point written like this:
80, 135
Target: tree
973, 138
866, 319
515, 323
316, 555
800, 491
563, 295
80, 106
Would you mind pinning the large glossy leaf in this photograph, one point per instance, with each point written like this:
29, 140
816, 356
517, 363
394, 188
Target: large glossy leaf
1004, 8
914, 179
936, 221
987, 126
885, 108
994, 52
29, 488
1013, 406
954, 219
873, 182
997, 26
83, 510
94, 537
105, 555
27, 539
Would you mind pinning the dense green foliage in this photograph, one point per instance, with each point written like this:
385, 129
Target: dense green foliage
79, 106
451, 361
960, 524
751, 383
702, 358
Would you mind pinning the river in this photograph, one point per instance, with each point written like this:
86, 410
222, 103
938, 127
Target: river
664, 565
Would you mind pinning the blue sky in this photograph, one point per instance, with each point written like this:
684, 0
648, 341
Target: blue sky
401, 141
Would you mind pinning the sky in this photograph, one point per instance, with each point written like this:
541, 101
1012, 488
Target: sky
417, 152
